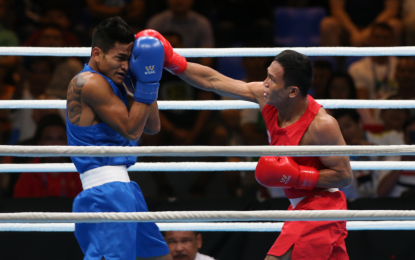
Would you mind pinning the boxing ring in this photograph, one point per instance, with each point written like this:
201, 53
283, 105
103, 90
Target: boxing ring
210, 220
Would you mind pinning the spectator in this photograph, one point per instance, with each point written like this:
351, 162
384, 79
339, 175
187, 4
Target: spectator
55, 15
51, 131
405, 78
193, 27
394, 119
218, 136
322, 73
7, 37
6, 93
252, 125
400, 183
36, 76
341, 86
184, 245
64, 68
181, 127
408, 15
375, 76
132, 11
354, 19
365, 181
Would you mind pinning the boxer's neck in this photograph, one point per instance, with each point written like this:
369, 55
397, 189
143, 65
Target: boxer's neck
290, 112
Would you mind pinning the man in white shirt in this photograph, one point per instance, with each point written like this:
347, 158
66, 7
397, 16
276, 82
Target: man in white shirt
184, 245
374, 77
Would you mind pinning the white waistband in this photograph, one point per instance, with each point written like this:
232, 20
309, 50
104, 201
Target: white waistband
105, 174
295, 201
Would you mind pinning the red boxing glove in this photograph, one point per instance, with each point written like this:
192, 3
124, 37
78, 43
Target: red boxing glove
284, 172
173, 62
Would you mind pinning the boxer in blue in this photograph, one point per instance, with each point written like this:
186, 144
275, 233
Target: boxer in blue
101, 112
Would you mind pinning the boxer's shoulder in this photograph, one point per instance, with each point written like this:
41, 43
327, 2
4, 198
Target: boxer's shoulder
324, 129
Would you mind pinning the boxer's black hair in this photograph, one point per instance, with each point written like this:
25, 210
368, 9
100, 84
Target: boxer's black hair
298, 70
110, 31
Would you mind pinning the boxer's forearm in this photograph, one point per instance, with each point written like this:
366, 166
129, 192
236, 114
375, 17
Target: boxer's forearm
153, 125
329, 178
208, 79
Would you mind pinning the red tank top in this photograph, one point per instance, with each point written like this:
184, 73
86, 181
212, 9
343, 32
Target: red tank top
291, 135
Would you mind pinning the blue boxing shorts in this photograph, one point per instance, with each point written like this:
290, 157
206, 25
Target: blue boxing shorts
118, 240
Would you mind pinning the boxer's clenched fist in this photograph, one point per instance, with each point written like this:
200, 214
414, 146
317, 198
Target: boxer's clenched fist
284, 172
173, 62
146, 63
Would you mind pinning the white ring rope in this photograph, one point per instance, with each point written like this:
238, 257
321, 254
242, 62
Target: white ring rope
207, 226
195, 166
220, 104
209, 216
225, 52
197, 151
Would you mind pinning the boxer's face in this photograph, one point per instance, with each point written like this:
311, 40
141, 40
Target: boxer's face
183, 245
274, 90
115, 63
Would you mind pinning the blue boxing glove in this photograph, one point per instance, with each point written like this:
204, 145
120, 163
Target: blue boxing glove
146, 64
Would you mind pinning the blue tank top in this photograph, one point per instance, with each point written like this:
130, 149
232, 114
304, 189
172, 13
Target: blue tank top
99, 135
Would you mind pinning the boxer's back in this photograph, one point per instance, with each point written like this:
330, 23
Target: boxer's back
99, 135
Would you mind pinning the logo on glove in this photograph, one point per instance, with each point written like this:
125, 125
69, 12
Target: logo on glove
285, 179
150, 70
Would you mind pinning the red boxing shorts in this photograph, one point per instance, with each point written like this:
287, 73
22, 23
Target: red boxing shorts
315, 240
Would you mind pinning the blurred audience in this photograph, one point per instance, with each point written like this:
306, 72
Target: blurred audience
50, 131
394, 119
365, 182
400, 183
184, 245
36, 76
181, 127
7, 90
375, 76
341, 86
64, 68
218, 135
194, 28
8, 37
322, 73
405, 78
54, 15
408, 16
351, 21
132, 11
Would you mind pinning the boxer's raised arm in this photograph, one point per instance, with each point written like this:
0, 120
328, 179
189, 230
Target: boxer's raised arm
208, 79
98, 95
153, 124
325, 130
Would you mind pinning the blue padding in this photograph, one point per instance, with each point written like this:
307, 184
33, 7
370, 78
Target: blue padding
231, 67
298, 27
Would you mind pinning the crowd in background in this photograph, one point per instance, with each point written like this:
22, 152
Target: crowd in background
206, 24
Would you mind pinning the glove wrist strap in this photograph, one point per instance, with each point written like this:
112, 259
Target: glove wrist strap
146, 93
308, 178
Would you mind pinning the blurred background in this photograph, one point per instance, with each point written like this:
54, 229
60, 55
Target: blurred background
209, 24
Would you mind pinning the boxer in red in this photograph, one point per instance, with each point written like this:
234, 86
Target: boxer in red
292, 118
